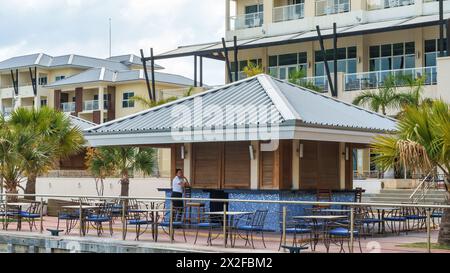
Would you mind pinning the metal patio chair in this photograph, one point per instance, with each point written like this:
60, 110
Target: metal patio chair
33, 212
339, 233
253, 225
97, 217
298, 229
209, 223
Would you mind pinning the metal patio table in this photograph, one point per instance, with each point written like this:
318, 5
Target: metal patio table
231, 215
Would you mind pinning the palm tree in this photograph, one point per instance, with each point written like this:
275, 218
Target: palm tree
298, 77
121, 161
384, 98
53, 131
253, 69
421, 145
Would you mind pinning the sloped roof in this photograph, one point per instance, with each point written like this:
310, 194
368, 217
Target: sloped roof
103, 74
46, 61
82, 124
286, 103
131, 59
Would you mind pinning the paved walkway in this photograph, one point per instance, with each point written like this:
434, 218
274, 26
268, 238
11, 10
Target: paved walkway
387, 244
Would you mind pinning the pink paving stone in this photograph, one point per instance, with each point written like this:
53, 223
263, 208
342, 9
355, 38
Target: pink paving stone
387, 244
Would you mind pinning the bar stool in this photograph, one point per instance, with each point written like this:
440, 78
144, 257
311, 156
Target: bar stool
200, 207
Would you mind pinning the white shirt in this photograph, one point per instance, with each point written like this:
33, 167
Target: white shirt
176, 184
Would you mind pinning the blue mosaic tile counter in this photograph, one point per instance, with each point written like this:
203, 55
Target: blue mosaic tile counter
275, 210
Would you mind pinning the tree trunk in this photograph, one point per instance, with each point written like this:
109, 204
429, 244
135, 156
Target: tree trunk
125, 186
444, 234
12, 199
30, 188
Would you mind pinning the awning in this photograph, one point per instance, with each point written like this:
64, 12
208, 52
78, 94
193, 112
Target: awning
214, 50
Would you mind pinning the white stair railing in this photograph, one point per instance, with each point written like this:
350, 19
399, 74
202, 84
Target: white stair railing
422, 189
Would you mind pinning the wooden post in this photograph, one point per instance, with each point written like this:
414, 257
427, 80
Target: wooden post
42, 215
284, 224
225, 225
352, 229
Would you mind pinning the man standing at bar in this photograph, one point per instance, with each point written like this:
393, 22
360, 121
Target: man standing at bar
179, 183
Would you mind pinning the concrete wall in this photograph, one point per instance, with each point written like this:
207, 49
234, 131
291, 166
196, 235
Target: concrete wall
139, 187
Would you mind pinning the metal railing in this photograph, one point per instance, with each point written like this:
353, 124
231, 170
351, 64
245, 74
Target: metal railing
68, 107
386, 4
94, 105
250, 20
353, 207
290, 12
321, 82
376, 79
327, 7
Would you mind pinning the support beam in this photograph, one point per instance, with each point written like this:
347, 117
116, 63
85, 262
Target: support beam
153, 74
236, 66
33, 80
441, 28
327, 68
201, 71
227, 60
147, 81
195, 71
335, 61
15, 80
448, 37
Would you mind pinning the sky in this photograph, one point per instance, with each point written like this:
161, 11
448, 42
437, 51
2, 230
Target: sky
60, 27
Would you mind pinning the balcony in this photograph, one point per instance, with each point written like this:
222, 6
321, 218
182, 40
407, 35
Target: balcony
287, 13
386, 4
94, 105
376, 79
250, 20
68, 107
319, 82
7, 111
327, 7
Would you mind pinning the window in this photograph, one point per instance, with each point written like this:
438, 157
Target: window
242, 65
43, 102
127, 102
432, 51
346, 61
392, 56
281, 66
42, 80
58, 78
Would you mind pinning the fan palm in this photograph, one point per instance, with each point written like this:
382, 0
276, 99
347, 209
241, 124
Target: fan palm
422, 145
121, 161
53, 131
384, 98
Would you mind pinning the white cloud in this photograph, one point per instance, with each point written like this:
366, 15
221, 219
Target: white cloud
81, 27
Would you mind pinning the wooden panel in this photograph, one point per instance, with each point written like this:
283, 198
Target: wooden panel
206, 167
309, 169
236, 165
329, 177
96, 117
57, 100
286, 165
349, 169
111, 103
78, 100
176, 161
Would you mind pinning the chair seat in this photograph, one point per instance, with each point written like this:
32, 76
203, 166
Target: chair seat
175, 224
29, 215
342, 232
298, 230
96, 218
139, 222
395, 219
372, 221
249, 228
437, 215
207, 225
416, 217
68, 217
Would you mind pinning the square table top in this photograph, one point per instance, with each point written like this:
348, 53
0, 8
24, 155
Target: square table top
18, 204
82, 207
231, 213
321, 217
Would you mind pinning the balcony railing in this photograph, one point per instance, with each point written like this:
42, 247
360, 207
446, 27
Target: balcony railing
386, 4
320, 82
68, 107
94, 105
250, 20
287, 13
7, 111
376, 79
326, 7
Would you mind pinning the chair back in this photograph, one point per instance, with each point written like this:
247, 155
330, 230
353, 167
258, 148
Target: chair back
187, 192
358, 195
324, 195
34, 208
105, 210
259, 219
